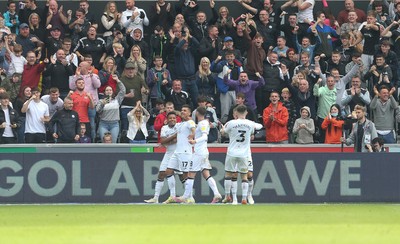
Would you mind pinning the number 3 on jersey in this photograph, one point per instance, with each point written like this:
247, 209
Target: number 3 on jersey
242, 136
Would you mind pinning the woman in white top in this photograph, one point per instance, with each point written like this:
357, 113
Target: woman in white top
110, 18
138, 117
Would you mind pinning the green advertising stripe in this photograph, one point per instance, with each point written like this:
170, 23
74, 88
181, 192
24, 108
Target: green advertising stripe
18, 150
142, 149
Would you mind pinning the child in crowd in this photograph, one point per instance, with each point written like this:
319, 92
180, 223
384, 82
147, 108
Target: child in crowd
17, 60
11, 18
83, 138
304, 127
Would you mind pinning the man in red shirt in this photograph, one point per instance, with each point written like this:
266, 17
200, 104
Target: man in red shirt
82, 102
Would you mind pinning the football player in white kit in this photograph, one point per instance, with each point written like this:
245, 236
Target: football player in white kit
181, 159
168, 140
240, 131
200, 159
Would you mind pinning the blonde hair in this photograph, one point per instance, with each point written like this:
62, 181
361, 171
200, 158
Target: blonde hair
107, 8
106, 60
117, 45
140, 52
204, 73
223, 8
30, 21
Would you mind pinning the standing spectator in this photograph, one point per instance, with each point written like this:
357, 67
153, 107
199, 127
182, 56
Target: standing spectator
64, 125
211, 44
133, 17
288, 102
138, 118
135, 86
305, 12
17, 60
139, 61
355, 95
93, 45
224, 22
90, 17
29, 7
36, 27
12, 85
79, 26
379, 74
53, 42
288, 29
304, 127
275, 118
156, 78
273, 77
176, 95
255, 56
206, 80
37, 114
59, 71
28, 41
247, 87
136, 38
185, 62
11, 19
241, 100
32, 75
370, 33
333, 125
383, 107
56, 16
110, 18
363, 131
92, 83
106, 76
19, 102
108, 110
199, 24
349, 7
158, 43
53, 100
161, 14
267, 30
82, 101
9, 121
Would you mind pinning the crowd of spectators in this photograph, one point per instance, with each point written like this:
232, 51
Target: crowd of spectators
300, 70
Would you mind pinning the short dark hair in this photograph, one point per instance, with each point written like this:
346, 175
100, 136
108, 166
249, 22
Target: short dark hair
378, 140
201, 110
241, 109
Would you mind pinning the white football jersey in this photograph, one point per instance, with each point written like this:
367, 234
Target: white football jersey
203, 127
166, 132
184, 131
240, 131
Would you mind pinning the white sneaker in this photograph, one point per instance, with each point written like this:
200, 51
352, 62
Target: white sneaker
216, 199
250, 199
234, 202
152, 200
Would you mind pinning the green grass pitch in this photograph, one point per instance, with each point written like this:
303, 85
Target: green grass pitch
262, 223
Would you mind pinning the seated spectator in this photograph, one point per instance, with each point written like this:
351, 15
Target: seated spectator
107, 138
377, 145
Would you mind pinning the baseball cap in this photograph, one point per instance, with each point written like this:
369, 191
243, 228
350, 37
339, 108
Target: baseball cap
228, 39
23, 25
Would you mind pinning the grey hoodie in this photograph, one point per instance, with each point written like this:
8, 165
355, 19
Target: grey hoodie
304, 135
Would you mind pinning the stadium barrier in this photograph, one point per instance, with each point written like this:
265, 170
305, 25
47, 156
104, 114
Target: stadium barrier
124, 173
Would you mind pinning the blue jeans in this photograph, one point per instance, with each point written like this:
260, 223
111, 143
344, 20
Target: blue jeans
389, 138
190, 86
137, 141
124, 118
109, 126
92, 118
